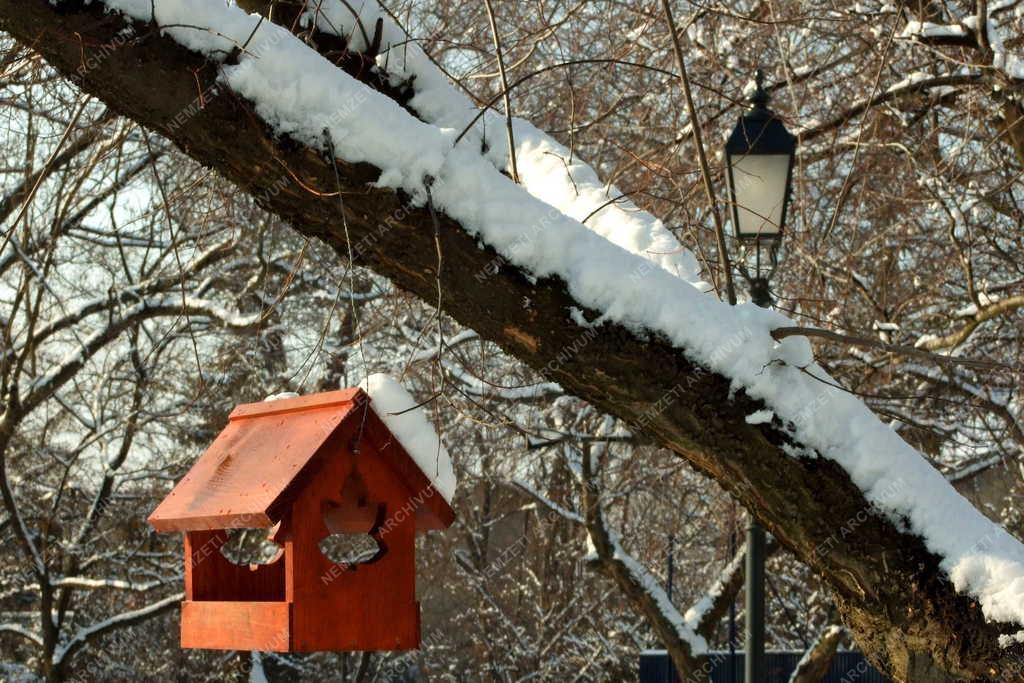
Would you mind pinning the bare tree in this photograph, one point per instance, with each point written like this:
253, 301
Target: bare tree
907, 231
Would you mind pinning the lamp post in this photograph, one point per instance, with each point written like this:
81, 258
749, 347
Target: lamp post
759, 170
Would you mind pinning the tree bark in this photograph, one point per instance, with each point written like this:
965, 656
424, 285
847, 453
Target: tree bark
887, 585
816, 662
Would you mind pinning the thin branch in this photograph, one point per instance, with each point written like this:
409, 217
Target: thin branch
894, 93
705, 171
123, 620
983, 37
957, 337
504, 91
20, 631
780, 333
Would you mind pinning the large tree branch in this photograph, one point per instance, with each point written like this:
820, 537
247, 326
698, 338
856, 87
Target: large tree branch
898, 608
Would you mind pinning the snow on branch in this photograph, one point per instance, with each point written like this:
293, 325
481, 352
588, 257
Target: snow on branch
545, 168
21, 631
814, 665
927, 29
117, 299
49, 382
83, 582
959, 336
916, 83
612, 553
966, 33
690, 630
565, 513
704, 614
478, 387
685, 646
125, 619
436, 351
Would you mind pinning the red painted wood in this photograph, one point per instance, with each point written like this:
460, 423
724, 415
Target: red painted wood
356, 513
433, 511
248, 470
211, 576
325, 399
263, 626
318, 465
251, 473
366, 606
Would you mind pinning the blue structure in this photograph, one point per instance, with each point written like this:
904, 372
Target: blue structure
655, 667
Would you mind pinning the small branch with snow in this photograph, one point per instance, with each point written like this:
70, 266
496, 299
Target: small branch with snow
958, 337
916, 351
685, 646
65, 652
168, 305
814, 665
86, 583
22, 632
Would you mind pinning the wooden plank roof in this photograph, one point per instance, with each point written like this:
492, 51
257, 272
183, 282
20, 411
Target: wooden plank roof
260, 462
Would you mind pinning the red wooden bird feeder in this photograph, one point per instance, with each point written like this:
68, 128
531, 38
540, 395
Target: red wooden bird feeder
304, 468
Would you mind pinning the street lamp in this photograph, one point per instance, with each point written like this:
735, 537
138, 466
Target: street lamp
759, 170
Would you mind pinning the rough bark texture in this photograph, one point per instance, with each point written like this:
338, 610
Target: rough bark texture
816, 662
887, 585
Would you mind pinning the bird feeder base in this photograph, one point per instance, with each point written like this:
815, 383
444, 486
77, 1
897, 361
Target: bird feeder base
290, 627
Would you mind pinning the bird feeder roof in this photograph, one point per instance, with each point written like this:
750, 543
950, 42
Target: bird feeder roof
262, 460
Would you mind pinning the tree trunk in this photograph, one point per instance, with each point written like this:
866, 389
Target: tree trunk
888, 586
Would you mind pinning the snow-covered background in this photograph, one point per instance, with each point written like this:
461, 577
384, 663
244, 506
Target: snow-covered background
259, 311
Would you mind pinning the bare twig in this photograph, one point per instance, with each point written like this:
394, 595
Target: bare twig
705, 172
504, 91
983, 38
780, 333
957, 337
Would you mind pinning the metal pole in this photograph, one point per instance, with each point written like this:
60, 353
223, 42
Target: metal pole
671, 565
669, 580
732, 610
753, 664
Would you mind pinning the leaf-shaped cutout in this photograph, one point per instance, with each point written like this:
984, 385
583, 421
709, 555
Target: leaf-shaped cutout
250, 546
349, 550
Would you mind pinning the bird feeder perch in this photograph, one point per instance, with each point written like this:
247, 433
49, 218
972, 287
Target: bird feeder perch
303, 468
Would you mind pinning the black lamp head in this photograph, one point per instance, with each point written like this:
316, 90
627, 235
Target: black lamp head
759, 166
759, 130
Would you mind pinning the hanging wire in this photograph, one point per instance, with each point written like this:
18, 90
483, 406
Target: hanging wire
351, 267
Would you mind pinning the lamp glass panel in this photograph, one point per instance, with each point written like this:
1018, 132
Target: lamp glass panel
759, 187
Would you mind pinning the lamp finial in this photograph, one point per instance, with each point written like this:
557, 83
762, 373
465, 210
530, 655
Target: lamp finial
760, 98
